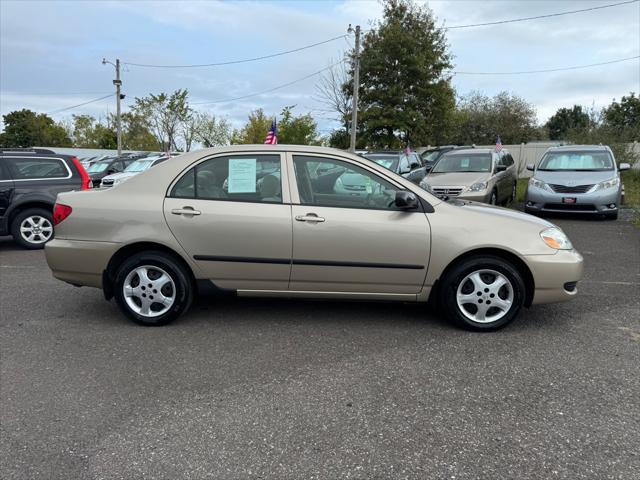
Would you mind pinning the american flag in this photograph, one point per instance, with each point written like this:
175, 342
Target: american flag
498, 144
272, 136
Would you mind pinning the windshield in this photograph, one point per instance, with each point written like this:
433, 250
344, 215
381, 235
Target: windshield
387, 161
473, 162
139, 166
98, 167
576, 161
430, 156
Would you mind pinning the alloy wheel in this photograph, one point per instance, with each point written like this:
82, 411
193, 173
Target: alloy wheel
485, 296
36, 229
149, 291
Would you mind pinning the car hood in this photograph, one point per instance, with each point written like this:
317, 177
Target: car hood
352, 179
456, 178
500, 211
113, 176
574, 178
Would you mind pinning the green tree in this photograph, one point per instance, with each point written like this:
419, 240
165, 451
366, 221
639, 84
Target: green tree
211, 132
404, 92
480, 119
254, 131
25, 128
165, 116
624, 117
87, 133
300, 130
566, 119
136, 134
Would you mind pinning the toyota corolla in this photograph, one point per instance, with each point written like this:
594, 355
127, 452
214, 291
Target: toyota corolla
214, 220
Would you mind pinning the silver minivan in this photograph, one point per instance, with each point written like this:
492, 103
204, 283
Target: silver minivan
582, 179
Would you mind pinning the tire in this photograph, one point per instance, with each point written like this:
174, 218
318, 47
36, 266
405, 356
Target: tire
493, 200
141, 304
470, 286
32, 228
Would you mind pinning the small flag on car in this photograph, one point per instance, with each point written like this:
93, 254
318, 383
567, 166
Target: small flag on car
498, 144
272, 136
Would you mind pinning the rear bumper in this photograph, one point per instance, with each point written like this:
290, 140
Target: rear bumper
555, 276
79, 262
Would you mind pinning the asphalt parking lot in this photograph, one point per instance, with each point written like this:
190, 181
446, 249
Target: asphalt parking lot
243, 389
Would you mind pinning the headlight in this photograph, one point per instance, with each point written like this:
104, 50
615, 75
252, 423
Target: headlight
478, 187
534, 182
555, 238
613, 182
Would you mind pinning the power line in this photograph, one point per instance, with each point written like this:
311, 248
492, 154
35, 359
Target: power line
225, 100
560, 69
524, 19
79, 105
58, 94
234, 62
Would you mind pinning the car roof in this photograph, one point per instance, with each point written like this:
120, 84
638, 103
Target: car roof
573, 148
462, 151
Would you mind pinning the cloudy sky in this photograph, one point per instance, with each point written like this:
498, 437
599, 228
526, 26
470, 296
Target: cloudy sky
51, 51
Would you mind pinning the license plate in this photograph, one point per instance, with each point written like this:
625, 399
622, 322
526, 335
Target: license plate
569, 199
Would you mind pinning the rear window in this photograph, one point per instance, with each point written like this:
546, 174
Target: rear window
27, 168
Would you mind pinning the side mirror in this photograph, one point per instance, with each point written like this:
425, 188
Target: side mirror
415, 165
501, 168
111, 171
406, 200
428, 167
623, 167
531, 166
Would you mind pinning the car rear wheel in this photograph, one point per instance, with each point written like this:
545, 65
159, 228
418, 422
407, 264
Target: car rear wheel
32, 228
482, 293
152, 288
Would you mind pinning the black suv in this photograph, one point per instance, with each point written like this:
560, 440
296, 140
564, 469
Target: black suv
30, 180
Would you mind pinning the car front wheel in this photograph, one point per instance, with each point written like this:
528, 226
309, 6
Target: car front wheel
493, 200
152, 288
482, 293
32, 228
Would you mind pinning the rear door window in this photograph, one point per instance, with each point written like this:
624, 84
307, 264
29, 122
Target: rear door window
242, 178
33, 168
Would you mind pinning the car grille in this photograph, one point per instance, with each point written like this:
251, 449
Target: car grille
355, 188
107, 183
449, 191
571, 207
570, 189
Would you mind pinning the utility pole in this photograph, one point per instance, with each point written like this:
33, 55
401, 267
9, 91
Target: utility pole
356, 85
118, 83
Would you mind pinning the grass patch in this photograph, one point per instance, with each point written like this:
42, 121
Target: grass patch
631, 181
522, 189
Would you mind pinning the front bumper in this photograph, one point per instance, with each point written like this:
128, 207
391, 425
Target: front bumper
79, 262
555, 276
601, 201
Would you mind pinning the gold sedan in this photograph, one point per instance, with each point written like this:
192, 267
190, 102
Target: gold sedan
265, 220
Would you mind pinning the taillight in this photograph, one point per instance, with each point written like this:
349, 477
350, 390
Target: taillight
86, 181
60, 212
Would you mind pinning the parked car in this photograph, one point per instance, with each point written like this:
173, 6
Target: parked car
29, 183
295, 237
409, 165
100, 169
134, 168
431, 156
475, 174
578, 179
